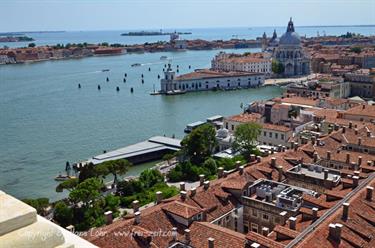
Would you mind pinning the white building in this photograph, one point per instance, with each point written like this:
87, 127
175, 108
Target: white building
206, 79
245, 63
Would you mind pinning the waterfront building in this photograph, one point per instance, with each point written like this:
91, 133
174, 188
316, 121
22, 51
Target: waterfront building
362, 82
259, 63
291, 54
205, 79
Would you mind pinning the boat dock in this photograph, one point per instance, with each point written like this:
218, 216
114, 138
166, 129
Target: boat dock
151, 149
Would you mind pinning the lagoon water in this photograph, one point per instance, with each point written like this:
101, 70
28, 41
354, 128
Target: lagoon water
46, 120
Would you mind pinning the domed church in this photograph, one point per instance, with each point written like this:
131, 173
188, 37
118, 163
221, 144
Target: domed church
290, 53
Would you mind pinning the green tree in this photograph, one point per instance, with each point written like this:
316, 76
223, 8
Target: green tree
277, 67
356, 50
116, 168
87, 192
112, 203
245, 138
210, 165
200, 143
150, 177
40, 204
63, 214
68, 185
168, 157
31, 44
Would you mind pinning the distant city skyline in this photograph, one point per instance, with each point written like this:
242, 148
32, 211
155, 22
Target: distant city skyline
68, 15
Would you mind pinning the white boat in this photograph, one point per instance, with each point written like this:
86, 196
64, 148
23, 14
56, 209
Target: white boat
64, 177
136, 64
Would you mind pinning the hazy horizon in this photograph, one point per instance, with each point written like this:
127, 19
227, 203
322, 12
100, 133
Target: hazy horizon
111, 15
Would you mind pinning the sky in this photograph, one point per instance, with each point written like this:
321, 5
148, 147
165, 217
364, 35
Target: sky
80, 15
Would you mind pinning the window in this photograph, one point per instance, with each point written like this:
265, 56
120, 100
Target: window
265, 217
254, 227
254, 213
226, 125
270, 135
276, 135
282, 136
245, 228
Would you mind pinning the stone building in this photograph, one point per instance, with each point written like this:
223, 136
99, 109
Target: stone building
290, 53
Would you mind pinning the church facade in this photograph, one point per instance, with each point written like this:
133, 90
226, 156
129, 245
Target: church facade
290, 53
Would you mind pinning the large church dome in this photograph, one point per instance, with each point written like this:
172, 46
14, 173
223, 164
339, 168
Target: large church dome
290, 37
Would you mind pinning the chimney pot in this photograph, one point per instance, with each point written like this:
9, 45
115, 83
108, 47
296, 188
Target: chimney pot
369, 192
355, 180
347, 158
193, 191
259, 159
159, 197
292, 223
238, 164
187, 235
252, 157
211, 242
174, 233
182, 186
241, 169
368, 133
315, 213
350, 124
135, 205
108, 217
345, 211
335, 231
137, 217
359, 160
343, 129
220, 172
359, 139
225, 174
265, 231
201, 179
315, 157
206, 184
326, 174
183, 194
280, 172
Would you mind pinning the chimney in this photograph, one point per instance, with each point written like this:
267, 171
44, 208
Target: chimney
280, 172
336, 127
183, 195
211, 242
315, 213
315, 157
206, 184
328, 155
187, 236
135, 204
335, 232
348, 158
325, 174
359, 140
359, 160
272, 150
343, 129
238, 164
356, 173
292, 223
369, 133
295, 146
363, 106
182, 186
108, 217
137, 217
70, 228
265, 231
355, 180
345, 210
252, 157
369, 163
201, 179
350, 124
313, 138
241, 169
273, 162
193, 191
259, 159
369, 191
318, 142
279, 148
353, 165
283, 148
159, 197
174, 233
356, 131
225, 173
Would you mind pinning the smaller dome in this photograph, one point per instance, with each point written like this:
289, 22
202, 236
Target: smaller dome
290, 38
222, 133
